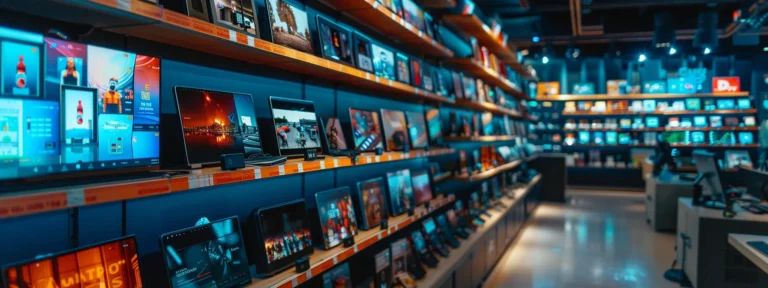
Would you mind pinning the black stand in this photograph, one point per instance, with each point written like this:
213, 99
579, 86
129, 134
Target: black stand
310, 154
379, 151
349, 242
406, 148
426, 148
410, 212
384, 224
302, 264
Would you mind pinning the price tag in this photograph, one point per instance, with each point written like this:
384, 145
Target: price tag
390, 82
394, 16
232, 36
355, 249
250, 41
322, 165
416, 90
375, 5
433, 42
378, 159
124, 5
368, 159
257, 173
301, 168
367, 76
281, 170
335, 261
421, 34
75, 197
377, 78
335, 163
389, 157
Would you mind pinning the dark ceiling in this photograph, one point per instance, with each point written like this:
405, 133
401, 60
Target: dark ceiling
600, 20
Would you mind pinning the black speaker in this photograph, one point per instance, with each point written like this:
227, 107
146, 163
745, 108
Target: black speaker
663, 30
232, 161
706, 34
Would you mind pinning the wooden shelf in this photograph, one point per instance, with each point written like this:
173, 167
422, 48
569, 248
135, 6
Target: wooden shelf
726, 128
667, 113
151, 22
472, 26
442, 177
447, 265
488, 76
486, 107
323, 260
565, 97
478, 138
379, 18
522, 70
673, 146
488, 173
437, 4
31, 202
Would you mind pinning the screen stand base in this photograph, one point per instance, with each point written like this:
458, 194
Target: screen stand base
349, 242
384, 224
410, 212
302, 264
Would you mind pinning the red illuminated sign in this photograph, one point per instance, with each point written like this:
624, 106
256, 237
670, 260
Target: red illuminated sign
725, 84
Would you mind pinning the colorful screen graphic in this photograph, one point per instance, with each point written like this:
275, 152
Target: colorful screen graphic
422, 188
435, 126
366, 129
400, 191
338, 277
373, 203
111, 264
210, 255
395, 129
285, 231
70, 107
417, 129
295, 124
335, 134
337, 216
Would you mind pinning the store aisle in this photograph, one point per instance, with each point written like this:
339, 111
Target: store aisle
596, 239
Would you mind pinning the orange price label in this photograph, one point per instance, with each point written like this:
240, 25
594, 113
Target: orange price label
108, 3
311, 166
261, 44
126, 191
177, 19
221, 32
271, 171
179, 184
242, 38
22, 205
233, 176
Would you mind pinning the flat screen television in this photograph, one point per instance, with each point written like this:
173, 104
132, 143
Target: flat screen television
370, 198
215, 123
417, 129
403, 69
239, 15
413, 14
395, 129
435, 126
337, 216
383, 62
206, 255
338, 277
366, 129
282, 236
335, 41
289, 25
400, 189
75, 109
363, 54
422, 187
295, 124
118, 259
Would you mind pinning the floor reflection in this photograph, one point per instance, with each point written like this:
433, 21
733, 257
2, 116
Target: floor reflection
596, 239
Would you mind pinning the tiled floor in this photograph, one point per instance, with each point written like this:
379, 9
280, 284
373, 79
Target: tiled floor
596, 239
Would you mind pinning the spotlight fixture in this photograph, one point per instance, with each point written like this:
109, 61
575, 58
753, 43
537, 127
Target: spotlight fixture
765, 49
536, 39
641, 58
672, 50
545, 60
707, 50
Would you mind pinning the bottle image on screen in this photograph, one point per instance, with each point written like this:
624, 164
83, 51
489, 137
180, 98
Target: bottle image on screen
21, 73
79, 112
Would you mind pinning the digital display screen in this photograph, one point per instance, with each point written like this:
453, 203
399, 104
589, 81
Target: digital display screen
422, 187
335, 134
207, 255
417, 129
67, 107
290, 26
401, 197
429, 226
366, 129
110, 264
337, 216
285, 232
334, 41
338, 277
372, 200
295, 124
399, 257
435, 125
216, 123
383, 273
403, 69
395, 129
413, 14
419, 243
383, 62
451, 216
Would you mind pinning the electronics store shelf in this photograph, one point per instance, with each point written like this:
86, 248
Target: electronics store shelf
443, 4
323, 260
673, 145
682, 112
739, 241
564, 97
378, 17
726, 128
472, 26
142, 20
488, 173
441, 177
486, 107
489, 76
478, 138
522, 70
447, 265
12, 205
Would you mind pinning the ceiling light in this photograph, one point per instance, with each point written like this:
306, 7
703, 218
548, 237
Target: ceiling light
545, 60
707, 51
641, 58
672, 50
536, 39
765, 49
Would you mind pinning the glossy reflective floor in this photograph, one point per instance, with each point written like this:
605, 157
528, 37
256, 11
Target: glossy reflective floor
596, 239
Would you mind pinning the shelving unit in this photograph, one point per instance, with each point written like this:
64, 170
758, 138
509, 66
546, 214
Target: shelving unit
478, 138
471, 25
486, 107
378, 17
487, 75
726, 128
667, 113
565, 97
488, 173
150, 22
17, 204
323, 260
449, 264
673, 145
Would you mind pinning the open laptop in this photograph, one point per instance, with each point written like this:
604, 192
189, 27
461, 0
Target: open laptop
215, 123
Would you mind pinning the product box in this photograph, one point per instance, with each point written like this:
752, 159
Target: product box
583, 88
654, 87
